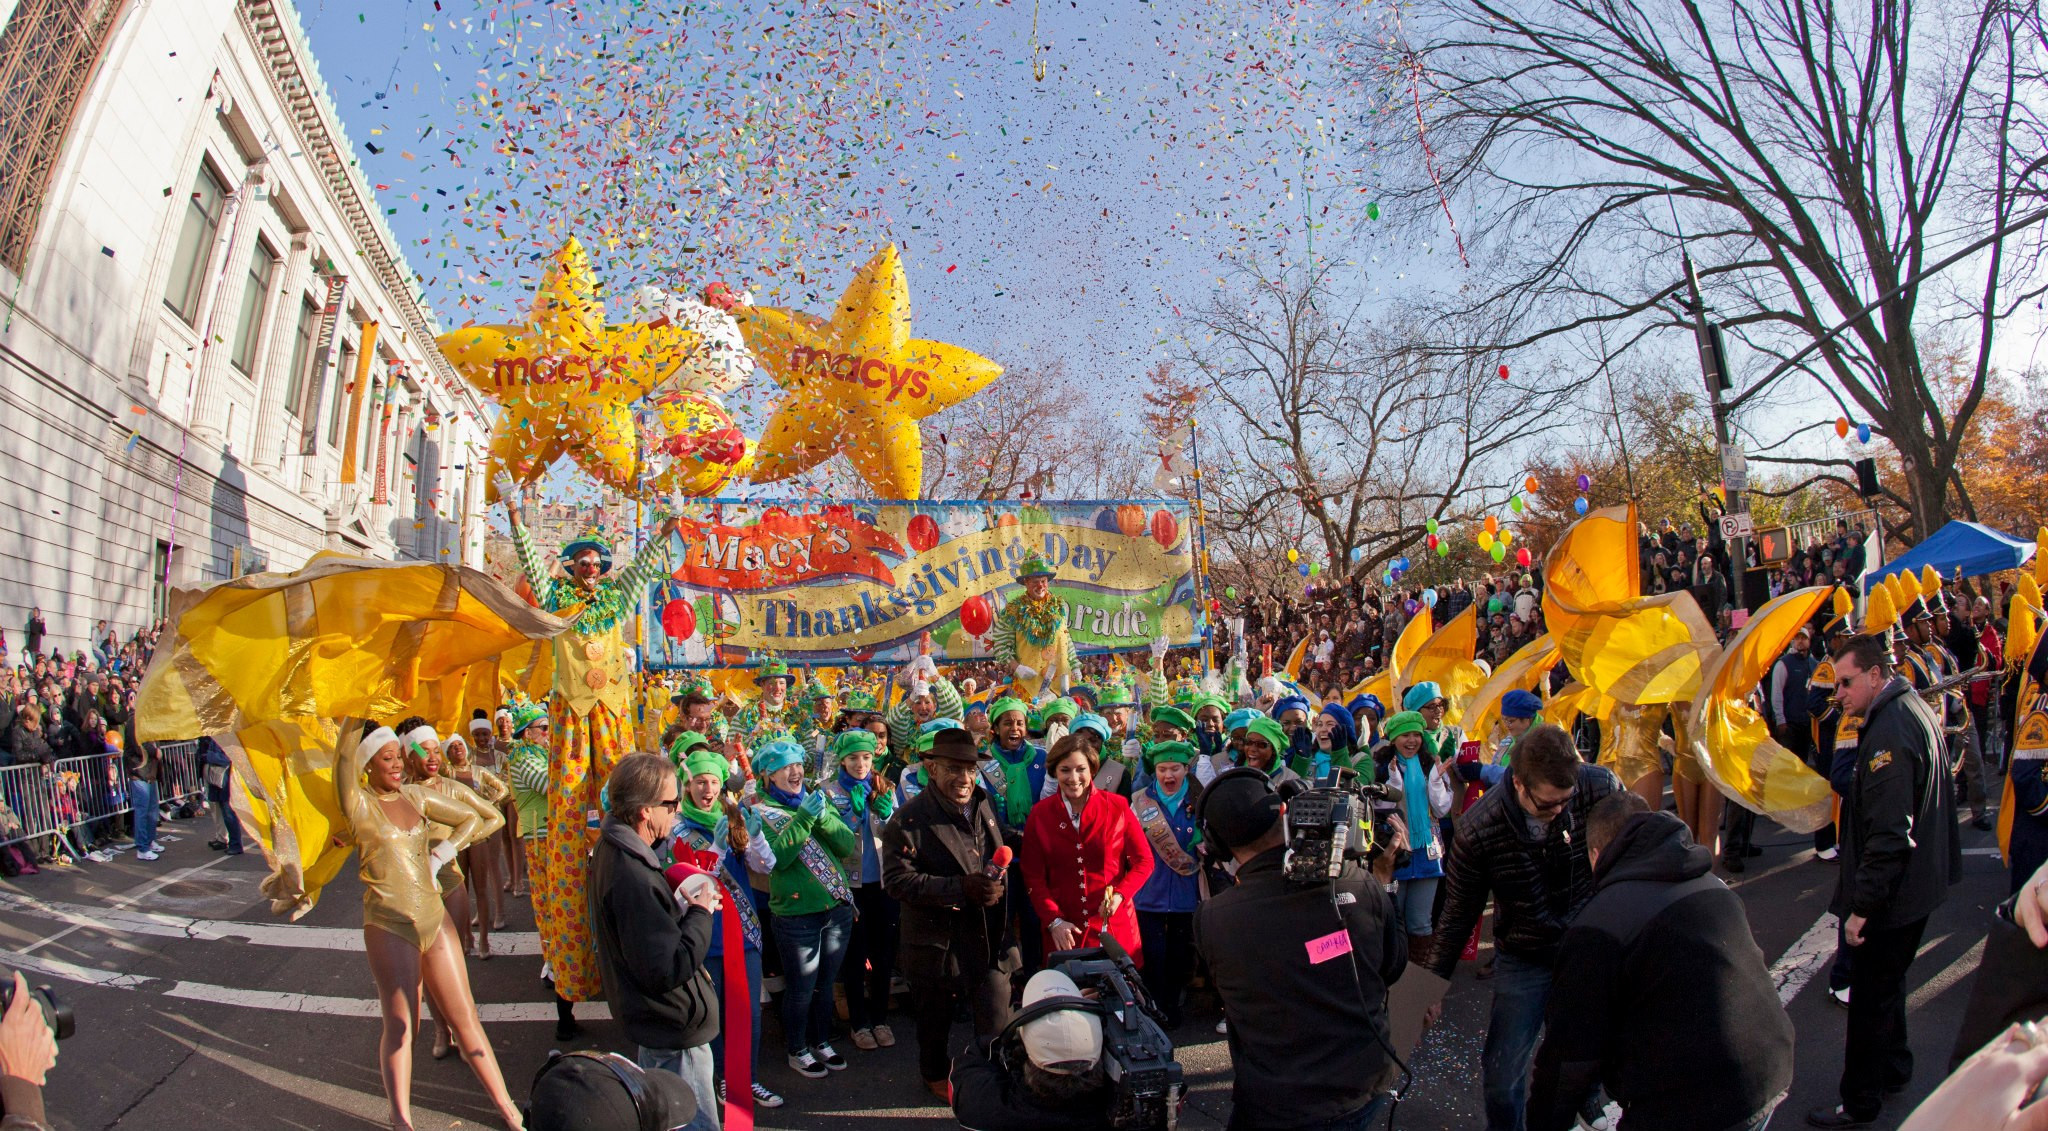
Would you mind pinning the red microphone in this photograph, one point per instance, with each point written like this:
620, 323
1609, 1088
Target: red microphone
998, 862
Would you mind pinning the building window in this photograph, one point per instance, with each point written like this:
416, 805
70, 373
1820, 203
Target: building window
348, 374
195, 244
255, 304
302, 393
47, 56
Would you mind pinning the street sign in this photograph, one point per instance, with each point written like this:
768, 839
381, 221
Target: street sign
1734, 469
1735, 526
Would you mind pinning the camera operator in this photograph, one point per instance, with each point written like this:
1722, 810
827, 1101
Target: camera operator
1059, 1084
1303, 972
28, 1049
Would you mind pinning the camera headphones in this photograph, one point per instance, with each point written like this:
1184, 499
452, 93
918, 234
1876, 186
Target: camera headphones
630, 1075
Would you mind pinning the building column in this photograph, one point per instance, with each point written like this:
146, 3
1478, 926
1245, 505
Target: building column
272, 394
207, 415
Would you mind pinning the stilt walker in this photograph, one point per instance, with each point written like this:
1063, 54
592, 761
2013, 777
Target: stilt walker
591, 713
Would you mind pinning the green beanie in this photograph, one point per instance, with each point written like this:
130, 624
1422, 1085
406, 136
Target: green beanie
1004, 706
1174, 717
1182, 752
704, 760
1403, 722
1270, 731
858, 740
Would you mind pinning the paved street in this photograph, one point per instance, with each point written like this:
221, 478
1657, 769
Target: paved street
197, 1008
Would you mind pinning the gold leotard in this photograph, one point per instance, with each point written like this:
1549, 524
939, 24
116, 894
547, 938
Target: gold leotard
398, 893
450, 877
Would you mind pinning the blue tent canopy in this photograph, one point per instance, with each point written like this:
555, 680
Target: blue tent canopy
1974, 549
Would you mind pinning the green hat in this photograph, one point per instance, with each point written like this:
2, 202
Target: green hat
1270, 731
1174, 717
704, 760
773, 669
776, 755
1033, 566
860, 700
680, 749
1403, 722
1005, 705
1209, 699
525, 715
1182, 752
591, 541
1061, 706
1117, 693
858, 740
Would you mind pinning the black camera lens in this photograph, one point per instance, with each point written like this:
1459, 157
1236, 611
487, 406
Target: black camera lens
56, 1012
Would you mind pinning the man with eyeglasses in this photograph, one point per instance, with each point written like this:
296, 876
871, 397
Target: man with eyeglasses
651, 949
1899, 857
1524, 844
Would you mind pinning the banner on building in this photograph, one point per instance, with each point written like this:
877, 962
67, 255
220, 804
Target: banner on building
860, 582
322, 364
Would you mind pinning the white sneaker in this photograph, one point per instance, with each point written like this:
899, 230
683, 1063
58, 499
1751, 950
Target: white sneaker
1828, 853
1223, 1028
1841, 996
152, 854
828, 1056
764, 1097
807, 1065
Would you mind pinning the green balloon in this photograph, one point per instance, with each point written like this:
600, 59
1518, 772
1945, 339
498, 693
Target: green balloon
1515, 504
1314, 568
1500, 550
1430, 526
1443, 549
1230, 592
1372, 210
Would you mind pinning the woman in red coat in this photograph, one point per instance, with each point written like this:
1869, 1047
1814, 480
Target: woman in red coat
1085, 857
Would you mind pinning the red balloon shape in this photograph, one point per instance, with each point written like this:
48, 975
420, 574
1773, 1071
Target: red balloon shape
1130, 520
679, 620
923, 532
1165, 530
1523, 557
975, 616
1503, 372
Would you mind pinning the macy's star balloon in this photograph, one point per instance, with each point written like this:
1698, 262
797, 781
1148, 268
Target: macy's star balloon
566, 381
857, 383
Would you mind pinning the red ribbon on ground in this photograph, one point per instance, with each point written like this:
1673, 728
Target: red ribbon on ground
737, 1025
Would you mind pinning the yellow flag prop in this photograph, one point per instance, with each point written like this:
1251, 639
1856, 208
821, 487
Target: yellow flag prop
1733, 744
1523, 671
267, 664
1628, 647
1407, 646
1446, 660
1295, 658
2030, 710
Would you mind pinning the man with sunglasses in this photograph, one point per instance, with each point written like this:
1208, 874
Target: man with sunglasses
1899, 857
651, 948
1524, 844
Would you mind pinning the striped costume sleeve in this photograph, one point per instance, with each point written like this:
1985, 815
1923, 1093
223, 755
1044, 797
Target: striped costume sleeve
946, 697
1155, 686
1004, 643
530, 564
649, 566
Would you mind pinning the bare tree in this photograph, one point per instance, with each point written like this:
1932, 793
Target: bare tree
1820, 159
1345, 436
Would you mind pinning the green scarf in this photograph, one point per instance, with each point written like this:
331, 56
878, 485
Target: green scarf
705, 817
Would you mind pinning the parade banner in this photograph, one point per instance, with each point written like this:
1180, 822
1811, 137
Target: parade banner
859, 582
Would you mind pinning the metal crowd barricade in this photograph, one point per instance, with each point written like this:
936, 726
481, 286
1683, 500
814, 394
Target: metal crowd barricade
66, 799
179, 775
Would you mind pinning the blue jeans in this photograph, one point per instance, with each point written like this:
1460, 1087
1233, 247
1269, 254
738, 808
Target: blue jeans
694, 1066
142, 807
812, 948
1368, 1118
1414, 902
1520, 990
716, 964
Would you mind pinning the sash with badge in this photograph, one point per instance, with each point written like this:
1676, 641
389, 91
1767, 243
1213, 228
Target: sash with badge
813, 855
1159, 830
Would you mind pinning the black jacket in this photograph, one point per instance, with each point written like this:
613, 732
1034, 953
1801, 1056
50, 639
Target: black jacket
988, 1098
1302, 1041
650, 950
1899, 847
1537, 886
926, 848
1661, 994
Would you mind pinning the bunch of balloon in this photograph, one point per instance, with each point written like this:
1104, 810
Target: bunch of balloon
1842, 427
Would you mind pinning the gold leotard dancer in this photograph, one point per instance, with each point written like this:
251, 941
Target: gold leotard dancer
481, 861
405, 929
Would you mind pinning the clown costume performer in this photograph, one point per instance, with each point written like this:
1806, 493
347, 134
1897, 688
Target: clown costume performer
591, 712
1031, 635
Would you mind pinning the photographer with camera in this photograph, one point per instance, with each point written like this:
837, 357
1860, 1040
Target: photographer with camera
1058, 1084
1302, 969
28, 1050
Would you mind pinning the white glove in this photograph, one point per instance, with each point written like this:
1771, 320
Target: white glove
1133, 749
1159, 647
1025, 672
440, 856
922, 667
508, 488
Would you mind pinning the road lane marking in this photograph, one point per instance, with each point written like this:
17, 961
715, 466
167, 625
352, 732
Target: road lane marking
1804, 958
132, 895
157, 924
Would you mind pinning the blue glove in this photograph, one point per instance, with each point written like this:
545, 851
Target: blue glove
813, 804
752, 819
1469, 771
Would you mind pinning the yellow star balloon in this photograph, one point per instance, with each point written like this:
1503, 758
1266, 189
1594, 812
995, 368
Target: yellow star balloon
858, 383
565, 380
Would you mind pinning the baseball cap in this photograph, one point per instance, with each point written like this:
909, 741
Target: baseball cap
1068, 1041
588, 1091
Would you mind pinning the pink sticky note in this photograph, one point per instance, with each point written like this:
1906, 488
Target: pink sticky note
1332, 945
